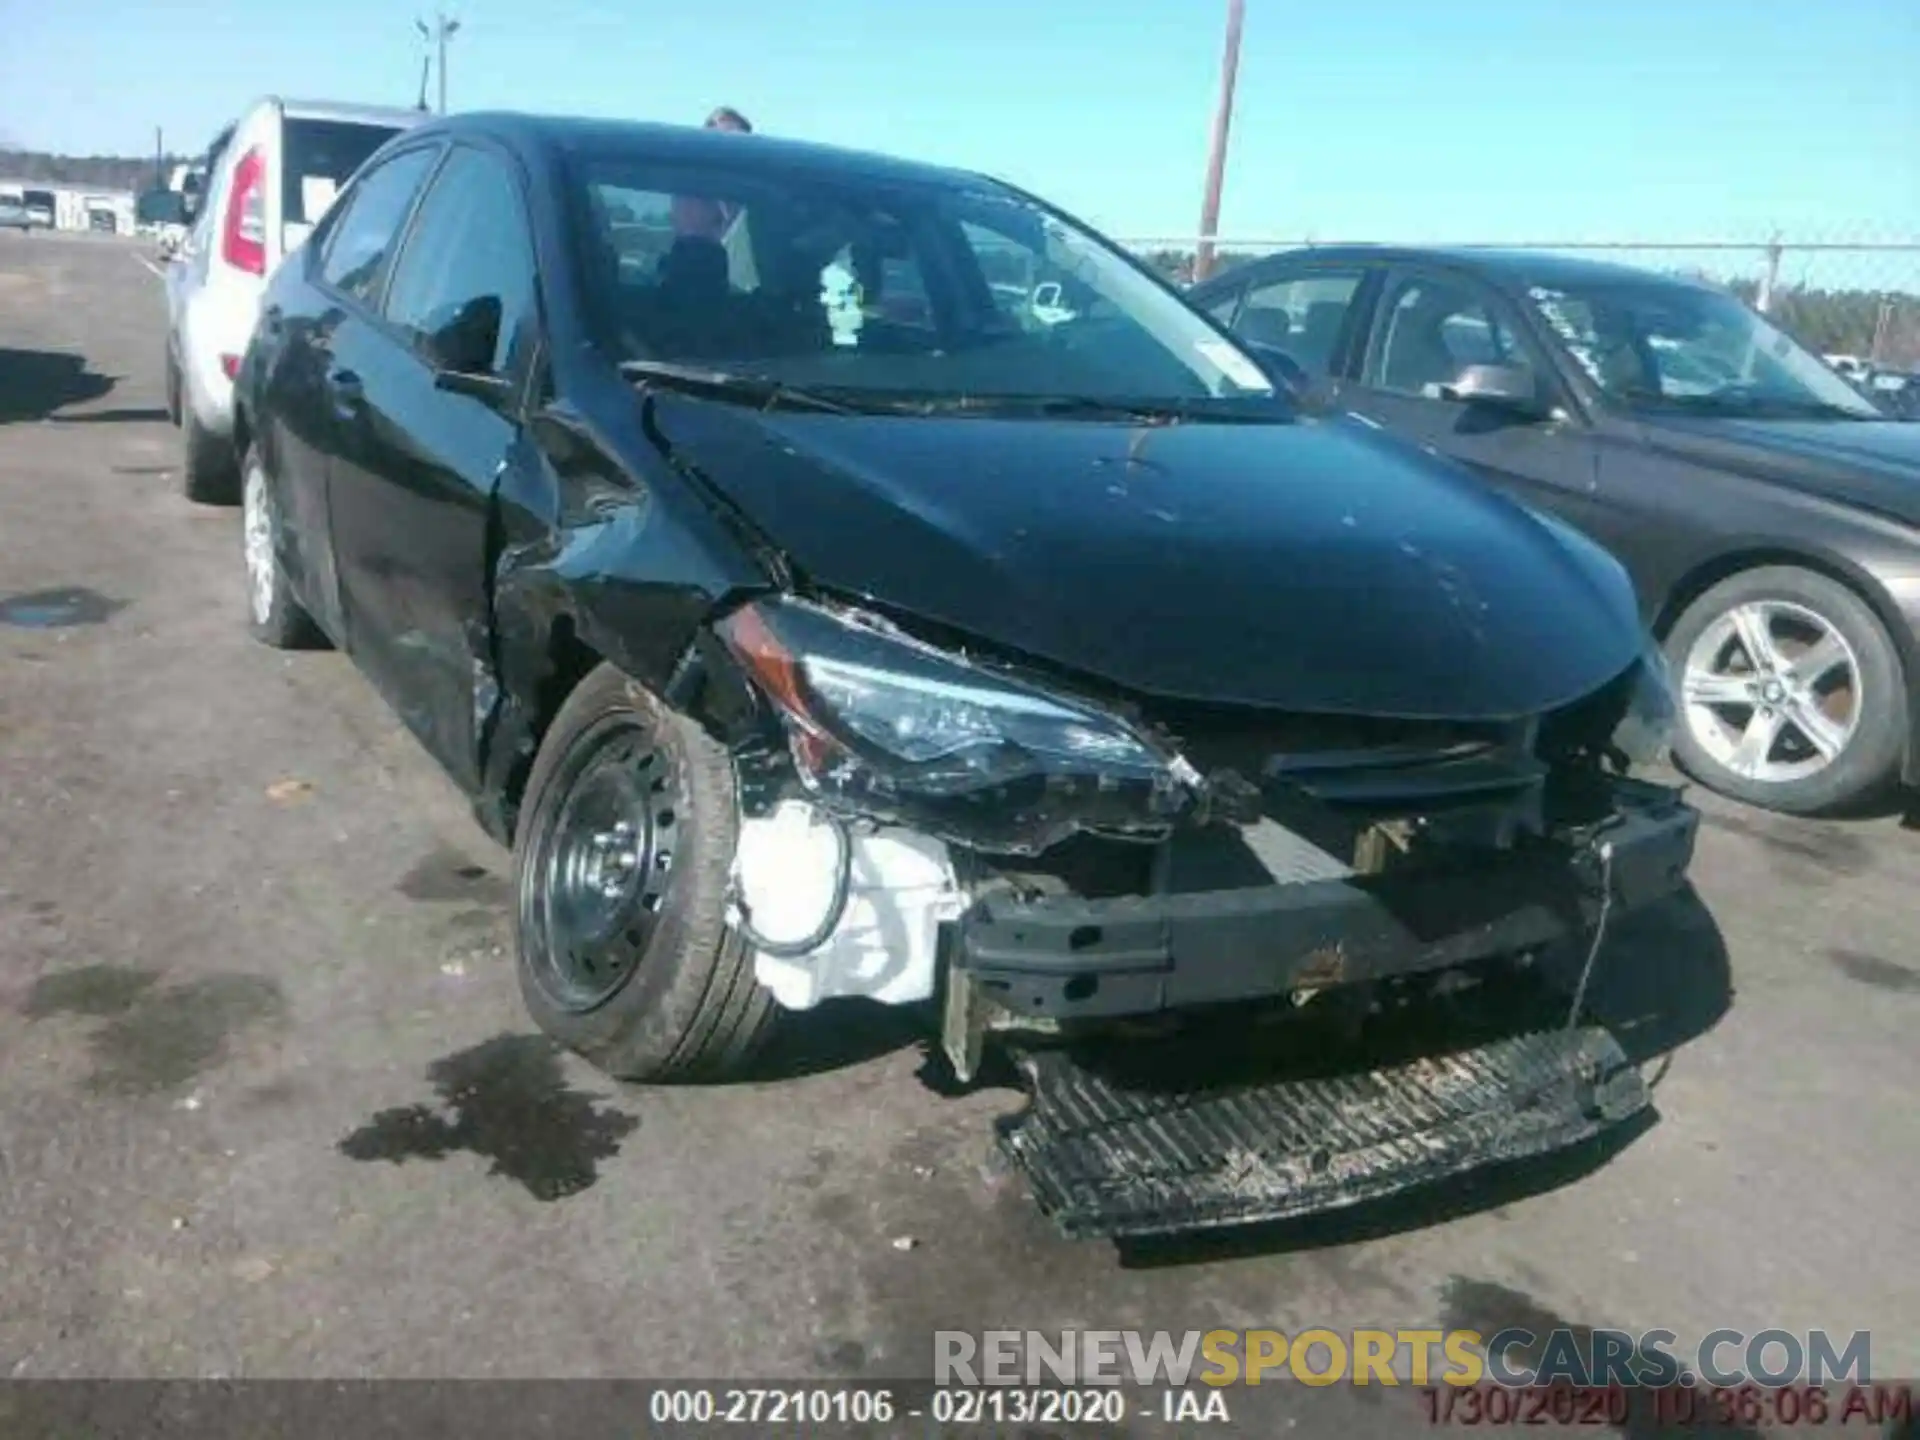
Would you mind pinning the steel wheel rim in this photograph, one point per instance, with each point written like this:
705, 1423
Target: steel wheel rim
596, 882
1772, 691
258, 527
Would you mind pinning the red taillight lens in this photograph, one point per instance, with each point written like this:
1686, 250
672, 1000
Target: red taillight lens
243, 238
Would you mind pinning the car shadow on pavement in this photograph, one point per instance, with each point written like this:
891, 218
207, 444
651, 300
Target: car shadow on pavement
35, 383
1661, 980
836, 1035
123, 415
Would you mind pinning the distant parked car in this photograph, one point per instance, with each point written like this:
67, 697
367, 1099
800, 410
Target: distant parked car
1769, 514
270, 177
1895, 391
15, 216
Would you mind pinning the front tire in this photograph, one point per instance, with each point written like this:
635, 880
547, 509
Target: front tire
273, 615
1792, 695
621, 868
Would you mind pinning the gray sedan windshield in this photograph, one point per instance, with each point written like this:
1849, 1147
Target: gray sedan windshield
1684, 347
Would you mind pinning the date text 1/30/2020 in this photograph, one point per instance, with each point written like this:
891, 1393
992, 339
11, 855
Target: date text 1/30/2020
1673, 1406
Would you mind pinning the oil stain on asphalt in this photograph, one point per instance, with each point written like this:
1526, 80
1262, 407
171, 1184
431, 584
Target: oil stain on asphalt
157, 1037
510, 1104
54, 609
1487, 1308
1872, 970
446, 876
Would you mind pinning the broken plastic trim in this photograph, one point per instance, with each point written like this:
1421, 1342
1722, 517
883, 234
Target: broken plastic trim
885, 726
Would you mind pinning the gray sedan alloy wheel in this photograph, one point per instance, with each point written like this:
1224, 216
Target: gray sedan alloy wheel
1772, 691
1792, 695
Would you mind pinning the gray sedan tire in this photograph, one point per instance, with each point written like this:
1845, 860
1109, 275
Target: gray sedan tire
1816, 723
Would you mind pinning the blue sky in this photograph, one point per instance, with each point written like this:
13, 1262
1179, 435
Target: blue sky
1396, 119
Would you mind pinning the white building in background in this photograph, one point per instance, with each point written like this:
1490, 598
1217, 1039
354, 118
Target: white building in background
75, 207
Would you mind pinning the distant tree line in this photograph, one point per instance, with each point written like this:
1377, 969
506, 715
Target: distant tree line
1845, 322
91, 172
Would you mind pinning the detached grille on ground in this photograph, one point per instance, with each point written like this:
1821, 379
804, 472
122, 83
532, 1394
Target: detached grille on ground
1108, 1157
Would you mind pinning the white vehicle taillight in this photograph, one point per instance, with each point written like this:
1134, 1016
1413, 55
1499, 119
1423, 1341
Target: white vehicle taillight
243, 238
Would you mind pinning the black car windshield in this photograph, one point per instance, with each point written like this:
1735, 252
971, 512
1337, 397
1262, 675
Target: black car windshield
952, 296
1655, 345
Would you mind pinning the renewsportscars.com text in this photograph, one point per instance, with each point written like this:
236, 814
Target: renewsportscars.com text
1512, 1357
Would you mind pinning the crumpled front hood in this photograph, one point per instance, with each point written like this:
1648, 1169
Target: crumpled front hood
1314, 567
1871, 463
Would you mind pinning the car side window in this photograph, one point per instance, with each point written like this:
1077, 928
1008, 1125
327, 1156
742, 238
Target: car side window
1431, 329
362, 235
1222, 307
1300, 315
469, 251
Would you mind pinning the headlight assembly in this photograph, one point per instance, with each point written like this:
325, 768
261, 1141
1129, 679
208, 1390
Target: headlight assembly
887, 723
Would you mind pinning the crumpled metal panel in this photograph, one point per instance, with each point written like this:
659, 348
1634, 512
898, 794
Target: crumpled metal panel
1105, 1158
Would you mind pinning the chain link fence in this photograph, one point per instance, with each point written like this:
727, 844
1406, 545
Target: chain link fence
1855, 295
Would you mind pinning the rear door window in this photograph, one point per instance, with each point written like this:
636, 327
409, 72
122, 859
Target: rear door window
355, 251
318, 157
1301, 315
1432, 328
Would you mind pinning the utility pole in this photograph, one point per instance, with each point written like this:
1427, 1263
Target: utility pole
159, 161
1882, 323
1769, 281
443, 29
1217, 158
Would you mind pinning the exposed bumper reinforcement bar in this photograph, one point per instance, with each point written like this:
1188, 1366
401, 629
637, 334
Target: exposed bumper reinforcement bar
1105, 1159
1067, 958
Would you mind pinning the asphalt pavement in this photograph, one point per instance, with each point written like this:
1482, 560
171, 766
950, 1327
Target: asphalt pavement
269, 1105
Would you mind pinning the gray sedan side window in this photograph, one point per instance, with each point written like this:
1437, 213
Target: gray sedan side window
1300, 315
1223, 307
1433, 327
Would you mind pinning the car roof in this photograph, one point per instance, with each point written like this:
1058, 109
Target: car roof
696, 145
361, 114
1513, 268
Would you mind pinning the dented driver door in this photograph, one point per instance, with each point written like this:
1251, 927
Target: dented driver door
412, 489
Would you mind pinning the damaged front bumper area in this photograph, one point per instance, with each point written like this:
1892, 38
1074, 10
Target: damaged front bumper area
1169, 1132
1318, 922
1116, 895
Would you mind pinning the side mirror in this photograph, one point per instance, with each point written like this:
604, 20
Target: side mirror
459, 344
1510, 388
161, 207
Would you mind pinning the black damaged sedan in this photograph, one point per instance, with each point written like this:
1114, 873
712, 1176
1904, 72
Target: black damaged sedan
840, 577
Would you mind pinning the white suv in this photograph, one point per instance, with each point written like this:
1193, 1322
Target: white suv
270, 177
